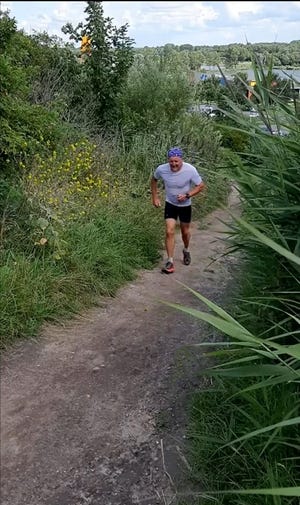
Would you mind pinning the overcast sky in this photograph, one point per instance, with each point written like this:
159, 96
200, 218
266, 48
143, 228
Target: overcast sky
158, 23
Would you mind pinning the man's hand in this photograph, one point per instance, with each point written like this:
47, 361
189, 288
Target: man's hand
154, 193
156, 202
181, 198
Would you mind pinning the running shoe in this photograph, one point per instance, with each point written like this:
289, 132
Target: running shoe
186, 257
168, 268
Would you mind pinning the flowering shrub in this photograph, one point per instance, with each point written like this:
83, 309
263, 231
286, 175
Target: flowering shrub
69, 185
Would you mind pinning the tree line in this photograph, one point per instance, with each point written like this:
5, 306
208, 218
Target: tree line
283, 54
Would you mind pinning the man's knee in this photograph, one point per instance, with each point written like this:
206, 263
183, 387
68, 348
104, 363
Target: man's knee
185, 229
170, 233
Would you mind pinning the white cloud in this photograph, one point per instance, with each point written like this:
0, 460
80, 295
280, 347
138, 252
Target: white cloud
171, 15
63, 11
236, 9
158, 23
6, 6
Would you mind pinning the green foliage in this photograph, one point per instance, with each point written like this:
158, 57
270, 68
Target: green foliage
111, 57
265, 461
236, 141
239, 88
157, 93
71, 197
56, 74
8, 28
78, 223
79, 229
268, 180
12, 80
100, 259
248, 420
27, 129
235, 55
200, 139
210, 91
246, 426
15, 215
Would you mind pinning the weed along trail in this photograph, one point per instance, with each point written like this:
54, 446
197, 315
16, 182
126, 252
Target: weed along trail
93, 412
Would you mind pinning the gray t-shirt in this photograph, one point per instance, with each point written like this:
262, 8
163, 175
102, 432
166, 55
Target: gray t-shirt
177, 182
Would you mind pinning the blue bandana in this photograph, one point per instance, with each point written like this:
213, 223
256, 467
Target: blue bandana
175, 151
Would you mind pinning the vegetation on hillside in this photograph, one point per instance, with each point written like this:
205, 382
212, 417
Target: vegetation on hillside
245, 426
81, 135
80, 141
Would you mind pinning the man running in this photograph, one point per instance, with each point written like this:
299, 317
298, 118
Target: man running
181, 182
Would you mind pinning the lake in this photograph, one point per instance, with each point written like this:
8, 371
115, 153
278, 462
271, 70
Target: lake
283, 74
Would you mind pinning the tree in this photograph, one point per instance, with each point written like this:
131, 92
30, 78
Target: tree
107, 64
22, 124
8, 28
232, 55
158, 90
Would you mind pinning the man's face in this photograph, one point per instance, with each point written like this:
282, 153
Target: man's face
175, 163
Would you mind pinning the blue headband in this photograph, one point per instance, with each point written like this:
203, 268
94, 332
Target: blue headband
175, 151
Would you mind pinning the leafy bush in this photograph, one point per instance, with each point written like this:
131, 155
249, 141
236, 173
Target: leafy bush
156, 94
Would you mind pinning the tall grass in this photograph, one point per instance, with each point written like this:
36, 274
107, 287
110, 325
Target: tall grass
246, 428
100, 256
78, 225
244, 431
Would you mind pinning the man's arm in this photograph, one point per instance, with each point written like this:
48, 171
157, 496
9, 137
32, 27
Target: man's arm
197, 189
154, 192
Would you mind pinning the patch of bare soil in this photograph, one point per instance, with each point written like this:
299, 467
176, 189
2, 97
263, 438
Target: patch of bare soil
93, 412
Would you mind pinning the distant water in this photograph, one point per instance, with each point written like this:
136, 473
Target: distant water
294, 74
283, 74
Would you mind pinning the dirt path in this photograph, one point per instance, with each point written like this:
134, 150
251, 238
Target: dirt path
92, 411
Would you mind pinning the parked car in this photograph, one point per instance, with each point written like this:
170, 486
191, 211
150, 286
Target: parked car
206, 109
215, 113
251, 113
273, 130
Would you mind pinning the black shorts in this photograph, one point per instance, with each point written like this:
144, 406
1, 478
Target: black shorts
174, 212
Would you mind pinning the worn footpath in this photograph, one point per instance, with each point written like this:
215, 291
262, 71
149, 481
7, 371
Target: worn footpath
93, 412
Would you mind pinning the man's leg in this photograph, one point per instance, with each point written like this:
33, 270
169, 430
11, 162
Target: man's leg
185, 234
185, 222
170, 238
171, 214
